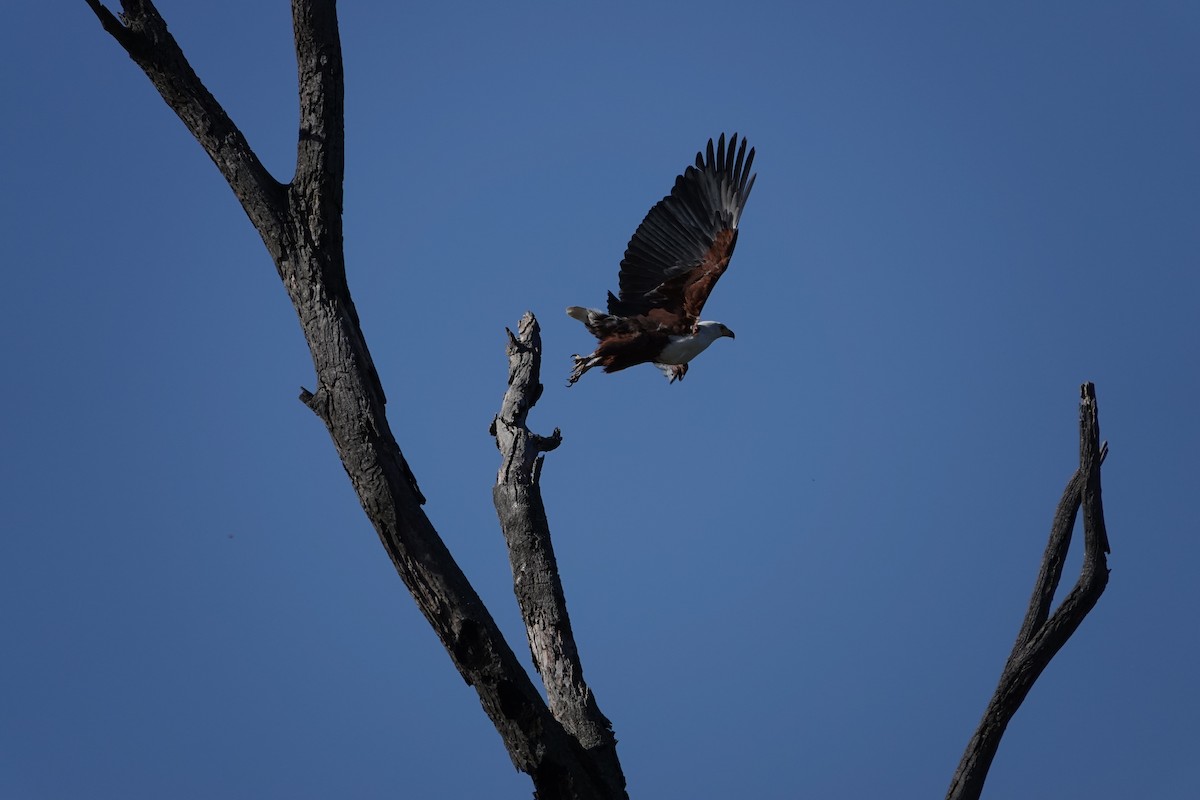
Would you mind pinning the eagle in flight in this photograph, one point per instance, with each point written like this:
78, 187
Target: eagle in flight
671, 265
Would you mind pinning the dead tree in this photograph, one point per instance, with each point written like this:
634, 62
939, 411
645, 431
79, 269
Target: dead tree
566, 745
301, 225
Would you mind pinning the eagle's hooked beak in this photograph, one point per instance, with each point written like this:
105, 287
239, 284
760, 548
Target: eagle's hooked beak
728, 333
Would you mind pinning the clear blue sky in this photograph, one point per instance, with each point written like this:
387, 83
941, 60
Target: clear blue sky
796, 574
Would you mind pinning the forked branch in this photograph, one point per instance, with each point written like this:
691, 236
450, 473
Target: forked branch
301, 225
1042, 635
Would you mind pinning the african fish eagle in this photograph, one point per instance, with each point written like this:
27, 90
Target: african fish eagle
671, 265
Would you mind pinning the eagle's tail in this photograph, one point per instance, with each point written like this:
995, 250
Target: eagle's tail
585, 315
596, 321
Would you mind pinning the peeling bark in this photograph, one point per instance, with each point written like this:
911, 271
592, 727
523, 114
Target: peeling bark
518, 499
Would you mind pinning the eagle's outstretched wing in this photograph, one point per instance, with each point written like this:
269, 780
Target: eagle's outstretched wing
684, 244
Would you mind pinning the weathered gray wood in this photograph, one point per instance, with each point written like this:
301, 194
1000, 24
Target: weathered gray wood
1042, 635
518, 499
301, 225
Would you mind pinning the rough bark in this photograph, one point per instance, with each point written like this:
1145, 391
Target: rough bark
301, 225
518, 499
1042, 635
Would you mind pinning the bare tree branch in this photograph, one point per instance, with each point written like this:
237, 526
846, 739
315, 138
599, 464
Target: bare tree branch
1042, 635
518, 499
301, 227
143, 34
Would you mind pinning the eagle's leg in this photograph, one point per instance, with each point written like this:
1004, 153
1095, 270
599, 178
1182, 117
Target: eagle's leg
674, 372
582, 365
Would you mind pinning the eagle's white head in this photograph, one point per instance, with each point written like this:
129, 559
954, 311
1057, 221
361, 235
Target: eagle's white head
711, 331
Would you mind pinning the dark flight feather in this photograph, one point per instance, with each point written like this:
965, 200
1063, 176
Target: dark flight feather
684, 244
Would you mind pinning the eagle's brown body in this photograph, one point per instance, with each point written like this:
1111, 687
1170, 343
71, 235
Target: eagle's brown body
674, 259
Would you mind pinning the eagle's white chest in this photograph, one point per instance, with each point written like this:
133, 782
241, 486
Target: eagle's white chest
682, 349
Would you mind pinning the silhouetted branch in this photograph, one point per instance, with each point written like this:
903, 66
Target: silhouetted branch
539, 591
1042, 635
